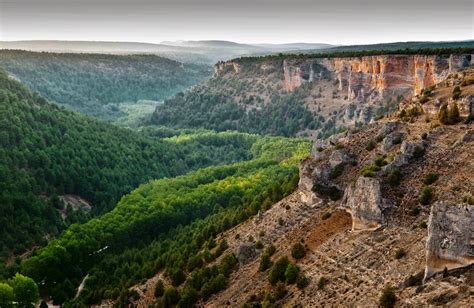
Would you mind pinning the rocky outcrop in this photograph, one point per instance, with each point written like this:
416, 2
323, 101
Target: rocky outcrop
450, 241
364, 78
317, 173
246, 253
364, 201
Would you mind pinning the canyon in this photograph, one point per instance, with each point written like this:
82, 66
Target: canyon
347, 89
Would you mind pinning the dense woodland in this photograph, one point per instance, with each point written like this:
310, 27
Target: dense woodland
46, 152
284, 115
97, 84
164, 223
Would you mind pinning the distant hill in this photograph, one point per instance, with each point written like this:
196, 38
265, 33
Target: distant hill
185, 51
104, 86
393, 46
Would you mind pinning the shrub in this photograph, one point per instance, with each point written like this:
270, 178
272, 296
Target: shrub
394, 177
453, 114
170, 297
322, 282
189, 296
298, 251
281, 222
277, 272
291, 273
371, 145
418, 152
280, 291
443, 114
468, 199
430, 178
270, 250
449, 115
159, 288
423, 224
380, 161
414, 211
399, 253
302, 281
258, 245
387, 298
370, 170
426, 195
265, 263
424, 136
337, 171
456, 92
228, 264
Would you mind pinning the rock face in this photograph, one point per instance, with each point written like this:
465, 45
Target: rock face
319, 170
365, 78
364, 201
450, 241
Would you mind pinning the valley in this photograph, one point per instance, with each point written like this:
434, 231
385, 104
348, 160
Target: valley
331, 179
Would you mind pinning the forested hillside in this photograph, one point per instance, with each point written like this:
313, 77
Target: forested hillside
164, 224
100, 84
47, 152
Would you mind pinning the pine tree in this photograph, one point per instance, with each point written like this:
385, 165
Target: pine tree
443, 114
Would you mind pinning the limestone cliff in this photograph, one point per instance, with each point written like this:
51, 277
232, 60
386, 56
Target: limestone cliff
353, 87
363, 77
450, 241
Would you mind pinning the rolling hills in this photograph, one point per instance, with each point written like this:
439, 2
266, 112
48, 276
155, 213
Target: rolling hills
102, 85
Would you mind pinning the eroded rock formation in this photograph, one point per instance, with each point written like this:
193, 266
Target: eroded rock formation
364, 201
450, 241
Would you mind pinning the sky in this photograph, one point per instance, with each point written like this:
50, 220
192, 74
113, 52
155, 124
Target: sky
245, 21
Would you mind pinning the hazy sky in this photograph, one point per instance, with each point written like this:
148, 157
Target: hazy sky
247, 21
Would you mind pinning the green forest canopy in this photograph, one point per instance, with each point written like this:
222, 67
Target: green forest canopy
46, 152
97, 84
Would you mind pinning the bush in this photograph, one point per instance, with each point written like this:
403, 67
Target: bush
258, 245
170, 297
159, 288
371, 145
430, 178
302, 281
387, 298
418, 152
394, 177
322, 282
399, 253
456, 92
298, 251
424, 136
228, 264
380, 161
468, 199
370, 170
270, 250
449, 115
423, 224
426, 195
277, 272
291, 273
265, 263
280, 291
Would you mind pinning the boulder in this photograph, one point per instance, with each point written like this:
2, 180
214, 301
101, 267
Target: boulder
408, 151
364, 201
450, 237
246, 253
386, 129
391, 140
